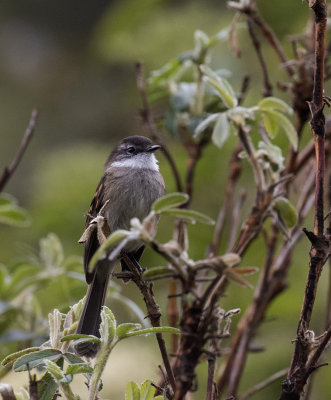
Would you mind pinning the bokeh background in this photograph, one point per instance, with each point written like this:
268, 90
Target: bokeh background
74, 61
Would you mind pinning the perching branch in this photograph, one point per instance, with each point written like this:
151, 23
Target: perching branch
9, 170
154, 313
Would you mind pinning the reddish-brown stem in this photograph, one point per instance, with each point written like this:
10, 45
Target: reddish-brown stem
304, 360
210, 382
173, 313
194, 151
328, 303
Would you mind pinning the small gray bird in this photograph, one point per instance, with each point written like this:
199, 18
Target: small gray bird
131, 183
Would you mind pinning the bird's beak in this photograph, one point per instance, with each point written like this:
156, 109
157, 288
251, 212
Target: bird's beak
153, 148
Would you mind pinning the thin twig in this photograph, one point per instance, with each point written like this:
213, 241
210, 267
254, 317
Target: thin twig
235, 219
194, 151
210, 382
262, 385
33, 385
248, 146
249, 8
234, 174
8, 171
267, 86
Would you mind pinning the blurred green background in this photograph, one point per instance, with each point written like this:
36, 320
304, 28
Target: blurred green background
74, 61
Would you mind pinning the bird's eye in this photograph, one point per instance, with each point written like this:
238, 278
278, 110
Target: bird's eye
130, 150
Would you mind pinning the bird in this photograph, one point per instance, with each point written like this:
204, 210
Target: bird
130, 184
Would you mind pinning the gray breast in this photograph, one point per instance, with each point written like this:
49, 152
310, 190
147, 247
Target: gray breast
131, 193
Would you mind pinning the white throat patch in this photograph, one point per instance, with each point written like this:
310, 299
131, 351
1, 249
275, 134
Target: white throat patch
142, 160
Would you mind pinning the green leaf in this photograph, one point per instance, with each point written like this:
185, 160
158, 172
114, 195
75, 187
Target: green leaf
51, 250
238, 115
54, 369
270, 124
157, 271
75, 336
46, 387
221, 130
115, 238
23, 276
83, 368
107, 326
168, 201
222, 86
22, 394
166, 72
273, 153
273, 103
286, 210
286, 125
36, 358
205, 124
132, 391
147, 331
7, 200
14, 216
123, 329
90, 339
66, 379
189, 216
147, 391
73, 359
12, 357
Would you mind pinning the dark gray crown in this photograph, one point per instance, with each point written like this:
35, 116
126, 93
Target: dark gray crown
131, 146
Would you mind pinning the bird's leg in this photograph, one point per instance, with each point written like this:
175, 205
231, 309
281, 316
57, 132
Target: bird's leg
133, 260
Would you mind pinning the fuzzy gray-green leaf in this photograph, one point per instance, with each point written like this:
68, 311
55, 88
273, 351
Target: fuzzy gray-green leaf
286, 210
36, 358
273, 103
189, 216
221, 130
168, 201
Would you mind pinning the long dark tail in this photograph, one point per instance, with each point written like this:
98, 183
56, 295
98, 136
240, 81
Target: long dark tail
90, 319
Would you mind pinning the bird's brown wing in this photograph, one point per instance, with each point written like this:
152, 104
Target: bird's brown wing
92, 243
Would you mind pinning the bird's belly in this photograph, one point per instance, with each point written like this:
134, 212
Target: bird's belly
133, 198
